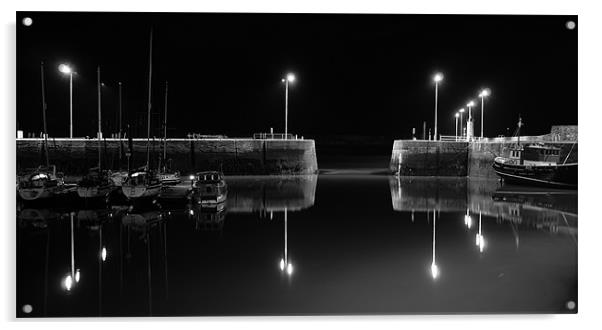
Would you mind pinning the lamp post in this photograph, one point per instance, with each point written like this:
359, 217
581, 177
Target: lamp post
483, 94
65, 69
469, 124
436, 78
461, 111
288, 79
456, 116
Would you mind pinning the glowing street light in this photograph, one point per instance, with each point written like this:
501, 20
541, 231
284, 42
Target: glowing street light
461, 111
457, 115
483, 94
290, 78
438, 77
103, 253
65, 69
469, 124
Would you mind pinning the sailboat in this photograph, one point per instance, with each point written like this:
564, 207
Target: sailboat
42, 182
536, 165
120, 175
167, 176
97, 183
144, 183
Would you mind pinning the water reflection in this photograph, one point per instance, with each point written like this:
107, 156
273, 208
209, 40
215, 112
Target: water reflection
347, 249
553, 210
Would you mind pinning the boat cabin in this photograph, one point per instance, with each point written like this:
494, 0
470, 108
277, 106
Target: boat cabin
209, 177
536, 154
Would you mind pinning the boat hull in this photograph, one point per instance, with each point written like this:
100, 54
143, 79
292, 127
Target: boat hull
557, 176
141, 191
38, 193
95, 192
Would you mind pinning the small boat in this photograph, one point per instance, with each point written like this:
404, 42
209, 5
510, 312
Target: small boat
41, 183
536, 165
166, 175
96, 184
208, 188
142, 184
169, 178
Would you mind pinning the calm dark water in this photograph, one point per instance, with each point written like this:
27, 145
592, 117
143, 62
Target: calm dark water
356, 244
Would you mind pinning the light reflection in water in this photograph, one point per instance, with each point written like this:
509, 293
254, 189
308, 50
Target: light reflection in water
434, 267
346, 251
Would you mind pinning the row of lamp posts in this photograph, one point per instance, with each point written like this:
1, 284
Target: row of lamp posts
437, 78
67, 70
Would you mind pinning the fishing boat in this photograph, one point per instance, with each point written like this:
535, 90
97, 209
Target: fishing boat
208, 188
536, 165
98, 183
42, 182
144, 183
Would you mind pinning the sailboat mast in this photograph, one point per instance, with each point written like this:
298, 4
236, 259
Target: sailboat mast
165, 129
99, 134
120, 151
520, 124
148, 123
44, 114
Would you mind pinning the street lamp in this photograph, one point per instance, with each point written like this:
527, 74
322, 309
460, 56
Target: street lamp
436, 78
456, 116
461, 111
65, 69
469, 124
288, 79
483, 94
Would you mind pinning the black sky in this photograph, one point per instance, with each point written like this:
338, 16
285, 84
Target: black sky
357, 74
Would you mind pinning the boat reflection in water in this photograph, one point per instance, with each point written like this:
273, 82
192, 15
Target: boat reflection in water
274, 248
551, 209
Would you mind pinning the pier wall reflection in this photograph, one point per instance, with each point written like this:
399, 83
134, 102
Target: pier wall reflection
553, 210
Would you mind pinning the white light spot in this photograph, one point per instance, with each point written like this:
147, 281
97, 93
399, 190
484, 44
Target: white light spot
571, 305
27, 309
27, 21
570, 25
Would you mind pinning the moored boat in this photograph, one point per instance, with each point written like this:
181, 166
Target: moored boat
96, 184
209, 188
536, 165
142, 184
41, 183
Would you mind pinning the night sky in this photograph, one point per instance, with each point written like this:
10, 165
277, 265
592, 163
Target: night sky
357, 74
